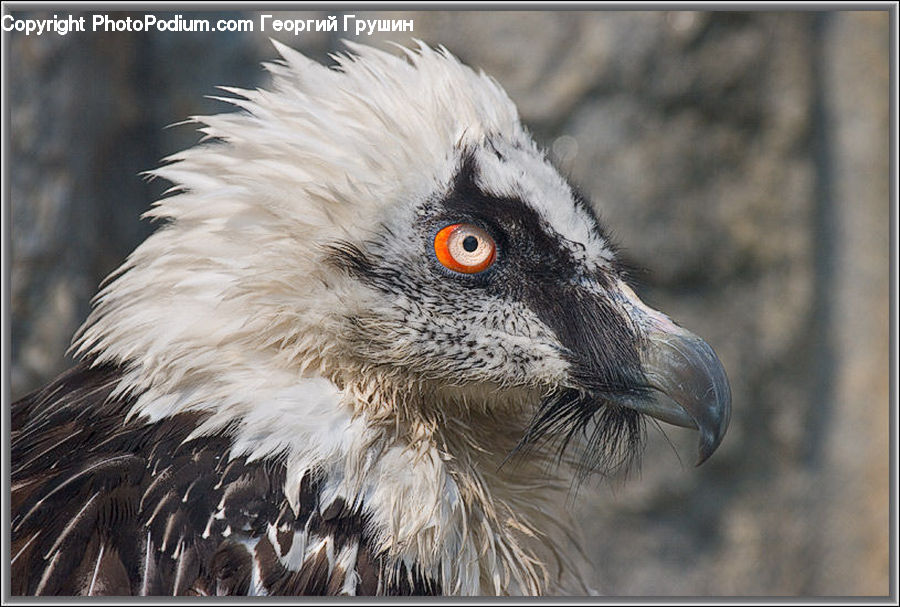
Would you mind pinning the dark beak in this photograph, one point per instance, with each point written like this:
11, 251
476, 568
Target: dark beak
689, 387
687, 383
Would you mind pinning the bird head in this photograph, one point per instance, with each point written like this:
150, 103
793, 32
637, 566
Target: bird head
391, 219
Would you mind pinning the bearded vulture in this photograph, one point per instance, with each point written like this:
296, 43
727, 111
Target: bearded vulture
369, 349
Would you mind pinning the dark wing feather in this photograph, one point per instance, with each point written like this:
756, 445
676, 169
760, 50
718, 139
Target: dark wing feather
106, 505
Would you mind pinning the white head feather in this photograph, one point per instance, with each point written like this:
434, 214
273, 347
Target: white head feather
230, 308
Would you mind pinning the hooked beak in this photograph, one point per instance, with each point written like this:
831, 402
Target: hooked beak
687, 383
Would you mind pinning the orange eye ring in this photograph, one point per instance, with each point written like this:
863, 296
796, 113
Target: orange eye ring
465, 248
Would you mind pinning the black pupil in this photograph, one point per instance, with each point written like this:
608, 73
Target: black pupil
470, 243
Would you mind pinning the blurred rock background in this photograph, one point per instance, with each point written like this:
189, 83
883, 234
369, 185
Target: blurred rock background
742, 158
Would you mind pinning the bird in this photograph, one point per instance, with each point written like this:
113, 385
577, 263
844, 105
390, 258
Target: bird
374, 340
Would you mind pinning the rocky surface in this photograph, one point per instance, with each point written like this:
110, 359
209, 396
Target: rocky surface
741, 159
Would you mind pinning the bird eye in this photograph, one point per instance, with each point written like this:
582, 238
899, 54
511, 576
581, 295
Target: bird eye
465, 248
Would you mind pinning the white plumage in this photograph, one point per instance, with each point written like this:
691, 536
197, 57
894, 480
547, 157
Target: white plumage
338, 407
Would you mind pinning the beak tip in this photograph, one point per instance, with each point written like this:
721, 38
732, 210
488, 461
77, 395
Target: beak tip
711, 434
707, 447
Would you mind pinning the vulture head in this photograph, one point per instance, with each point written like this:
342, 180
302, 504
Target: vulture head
377, 258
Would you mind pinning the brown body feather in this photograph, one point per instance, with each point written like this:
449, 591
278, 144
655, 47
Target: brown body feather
103, 505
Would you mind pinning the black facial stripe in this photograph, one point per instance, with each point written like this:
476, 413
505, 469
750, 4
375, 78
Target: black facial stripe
599, 342
517, 226
536, 268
